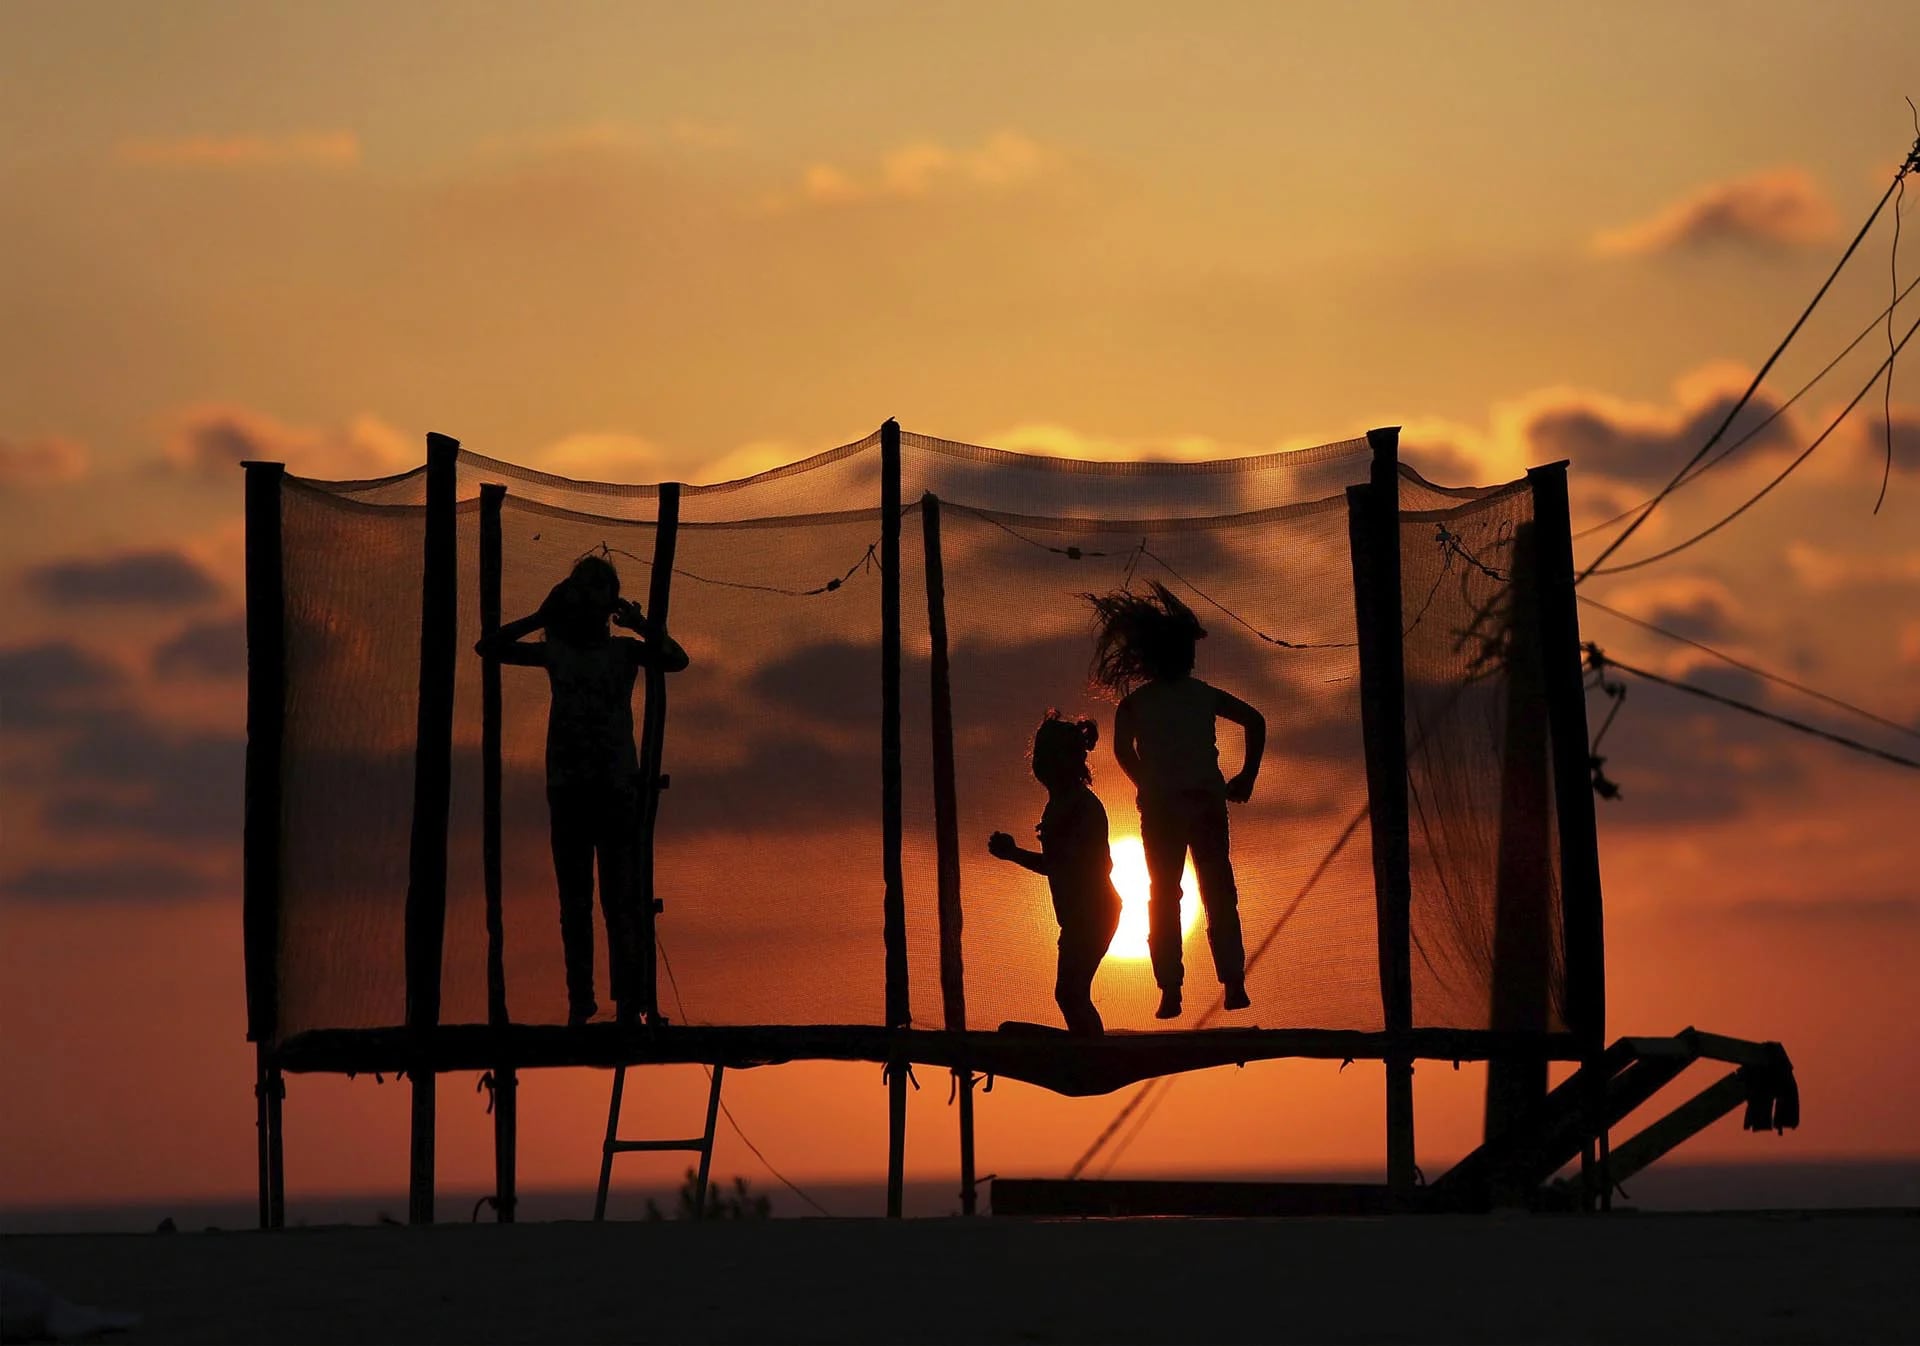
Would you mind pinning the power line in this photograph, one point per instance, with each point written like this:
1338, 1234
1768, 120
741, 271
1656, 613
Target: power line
1764, 491
1755, 669
1601, 661
1745, 397
1690, 477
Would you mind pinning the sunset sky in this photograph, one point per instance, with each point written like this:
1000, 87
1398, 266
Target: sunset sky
636, 242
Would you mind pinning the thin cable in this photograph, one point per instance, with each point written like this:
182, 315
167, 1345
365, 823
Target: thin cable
1772, 416
1893, 266
1161, 561
1755, 669
1253, 958
1602, 660
1740, 405
681, 1007
1766, 490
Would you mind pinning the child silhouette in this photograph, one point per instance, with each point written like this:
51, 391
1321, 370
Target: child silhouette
593, 773
1163, 737
1078, 865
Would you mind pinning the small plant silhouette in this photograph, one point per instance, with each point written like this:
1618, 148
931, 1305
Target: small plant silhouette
738, 1203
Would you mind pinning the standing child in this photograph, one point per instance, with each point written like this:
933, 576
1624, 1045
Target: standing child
1078, 865
593, 773
1164, 740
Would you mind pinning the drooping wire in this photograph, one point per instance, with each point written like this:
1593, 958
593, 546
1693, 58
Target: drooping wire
1254, 956
680, 1007
1764, 491
869, 560
1206, 597
1893, 266
1740, 405
1759, 428
1598, 659
1755, 669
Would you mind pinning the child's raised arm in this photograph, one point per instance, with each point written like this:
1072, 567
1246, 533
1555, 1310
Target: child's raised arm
1002, 846
1231, 707
509, 644
672, 659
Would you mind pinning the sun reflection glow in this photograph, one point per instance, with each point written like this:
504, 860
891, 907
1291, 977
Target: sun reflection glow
1130, 877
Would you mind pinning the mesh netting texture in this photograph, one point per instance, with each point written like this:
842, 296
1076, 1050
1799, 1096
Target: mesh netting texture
769, 845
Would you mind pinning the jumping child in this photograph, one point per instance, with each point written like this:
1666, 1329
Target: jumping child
593, 773
1164, 740
1076, 861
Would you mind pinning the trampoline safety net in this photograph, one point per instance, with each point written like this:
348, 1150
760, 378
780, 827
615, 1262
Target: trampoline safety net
768, 851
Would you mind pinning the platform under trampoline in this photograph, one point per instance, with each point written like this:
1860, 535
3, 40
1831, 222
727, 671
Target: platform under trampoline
1032, 1053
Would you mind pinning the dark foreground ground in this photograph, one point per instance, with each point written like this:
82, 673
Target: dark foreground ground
1851, 1277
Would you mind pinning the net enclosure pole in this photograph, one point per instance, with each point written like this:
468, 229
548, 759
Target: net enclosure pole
946, 831
260, 868
1581, 907
506, 1077
1373, 522
893, 902
653, 730
426, 911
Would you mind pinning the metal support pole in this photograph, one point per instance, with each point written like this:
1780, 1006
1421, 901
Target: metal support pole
946, 830
653, 731
426, 912
1373, 516
506, 1082
1580, 896
894, 909
260, 868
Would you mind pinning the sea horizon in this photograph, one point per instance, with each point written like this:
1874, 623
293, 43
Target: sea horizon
1823, 1184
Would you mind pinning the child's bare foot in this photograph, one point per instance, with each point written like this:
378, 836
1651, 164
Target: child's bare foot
1169, 1004
1237, 995
581, 1011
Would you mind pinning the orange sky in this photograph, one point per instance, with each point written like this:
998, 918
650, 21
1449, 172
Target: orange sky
641, 242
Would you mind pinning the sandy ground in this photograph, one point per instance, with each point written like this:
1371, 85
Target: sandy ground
1630, 1277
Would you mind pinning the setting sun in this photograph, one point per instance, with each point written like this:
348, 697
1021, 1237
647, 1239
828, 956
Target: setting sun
1130, 877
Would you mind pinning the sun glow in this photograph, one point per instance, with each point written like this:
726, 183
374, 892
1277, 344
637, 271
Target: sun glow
1130, 878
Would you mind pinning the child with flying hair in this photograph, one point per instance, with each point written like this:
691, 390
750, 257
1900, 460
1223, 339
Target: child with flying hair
1163, 737
1076, 861
593, 773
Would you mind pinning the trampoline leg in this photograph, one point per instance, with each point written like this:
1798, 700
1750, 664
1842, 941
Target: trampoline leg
276, 1151
896, 1137
261, 1128
506, 1141
969, 1197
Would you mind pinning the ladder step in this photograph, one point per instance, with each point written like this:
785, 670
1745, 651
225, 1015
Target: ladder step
629, 1146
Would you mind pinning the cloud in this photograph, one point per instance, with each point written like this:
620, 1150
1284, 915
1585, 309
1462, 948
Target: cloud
1689, 605
50, 460
1909, 645
214, 649
314, 149
1873, 910
1779, 208
925, 168
52, 685
1821, 571
126, 775
209, 440
1632, 442
104, 881
154, 577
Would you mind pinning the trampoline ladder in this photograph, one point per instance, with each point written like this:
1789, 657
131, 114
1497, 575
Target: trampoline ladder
701, 1144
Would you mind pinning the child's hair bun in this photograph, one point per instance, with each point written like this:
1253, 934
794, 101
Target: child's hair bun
1089, 733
